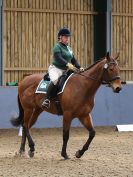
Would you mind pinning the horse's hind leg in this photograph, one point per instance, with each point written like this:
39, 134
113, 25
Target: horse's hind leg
31, 122
87, 122
23, 141
66, 126
33, 119
27, 116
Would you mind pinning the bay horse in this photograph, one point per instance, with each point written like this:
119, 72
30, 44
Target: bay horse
77, 101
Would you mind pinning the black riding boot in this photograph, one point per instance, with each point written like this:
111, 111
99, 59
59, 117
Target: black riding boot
46, 102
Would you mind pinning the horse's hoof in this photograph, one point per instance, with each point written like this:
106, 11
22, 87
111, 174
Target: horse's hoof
17, 154
21, 153
31, 154
78, 154
66, 157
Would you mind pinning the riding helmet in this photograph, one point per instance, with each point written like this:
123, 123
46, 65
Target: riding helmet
64, 32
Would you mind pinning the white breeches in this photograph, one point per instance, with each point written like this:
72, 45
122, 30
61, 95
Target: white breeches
54, 73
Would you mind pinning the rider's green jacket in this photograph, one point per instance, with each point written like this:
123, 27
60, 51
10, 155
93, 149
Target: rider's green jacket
62, 54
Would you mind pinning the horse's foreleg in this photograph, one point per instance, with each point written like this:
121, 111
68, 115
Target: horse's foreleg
87, 122
66, 127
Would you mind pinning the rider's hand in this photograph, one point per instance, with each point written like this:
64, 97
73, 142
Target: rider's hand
71, 67
81, 69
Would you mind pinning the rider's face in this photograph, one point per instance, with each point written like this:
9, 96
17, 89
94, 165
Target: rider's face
65, 39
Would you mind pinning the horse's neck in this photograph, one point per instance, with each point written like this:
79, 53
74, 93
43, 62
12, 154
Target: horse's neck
96, 71
94, 76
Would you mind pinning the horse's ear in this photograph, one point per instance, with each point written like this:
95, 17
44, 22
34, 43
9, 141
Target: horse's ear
107, 56
117, 56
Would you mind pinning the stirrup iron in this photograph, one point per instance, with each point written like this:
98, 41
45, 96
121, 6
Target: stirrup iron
46, 103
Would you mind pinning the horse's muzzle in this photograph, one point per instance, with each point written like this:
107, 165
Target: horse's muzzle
117, 89
116, 86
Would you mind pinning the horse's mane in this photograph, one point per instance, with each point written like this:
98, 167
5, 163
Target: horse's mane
93, 64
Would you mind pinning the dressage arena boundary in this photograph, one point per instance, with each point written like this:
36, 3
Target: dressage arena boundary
110, 108
125, 128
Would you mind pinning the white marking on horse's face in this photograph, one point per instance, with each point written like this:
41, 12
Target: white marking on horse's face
106, 66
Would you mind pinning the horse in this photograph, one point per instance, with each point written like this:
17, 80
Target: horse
77, 101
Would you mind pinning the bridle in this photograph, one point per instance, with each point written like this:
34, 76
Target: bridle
106, 66
105, 69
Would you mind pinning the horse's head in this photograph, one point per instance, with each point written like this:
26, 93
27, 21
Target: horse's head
111, 73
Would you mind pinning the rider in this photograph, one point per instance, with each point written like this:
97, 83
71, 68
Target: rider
63, 59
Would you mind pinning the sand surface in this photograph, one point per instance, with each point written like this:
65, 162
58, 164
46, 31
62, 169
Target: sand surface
110, 154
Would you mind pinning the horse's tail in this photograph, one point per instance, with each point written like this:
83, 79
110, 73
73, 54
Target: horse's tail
16, 121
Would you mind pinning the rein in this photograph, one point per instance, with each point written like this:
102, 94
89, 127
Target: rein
90, 77
106, 65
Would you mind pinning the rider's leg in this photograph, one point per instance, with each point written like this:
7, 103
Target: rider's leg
51, 88
54, 74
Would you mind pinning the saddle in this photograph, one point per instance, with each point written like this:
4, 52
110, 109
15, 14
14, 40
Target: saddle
44, 83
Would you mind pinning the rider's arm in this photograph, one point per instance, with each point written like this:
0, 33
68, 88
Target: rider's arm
57, 56
75, 62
